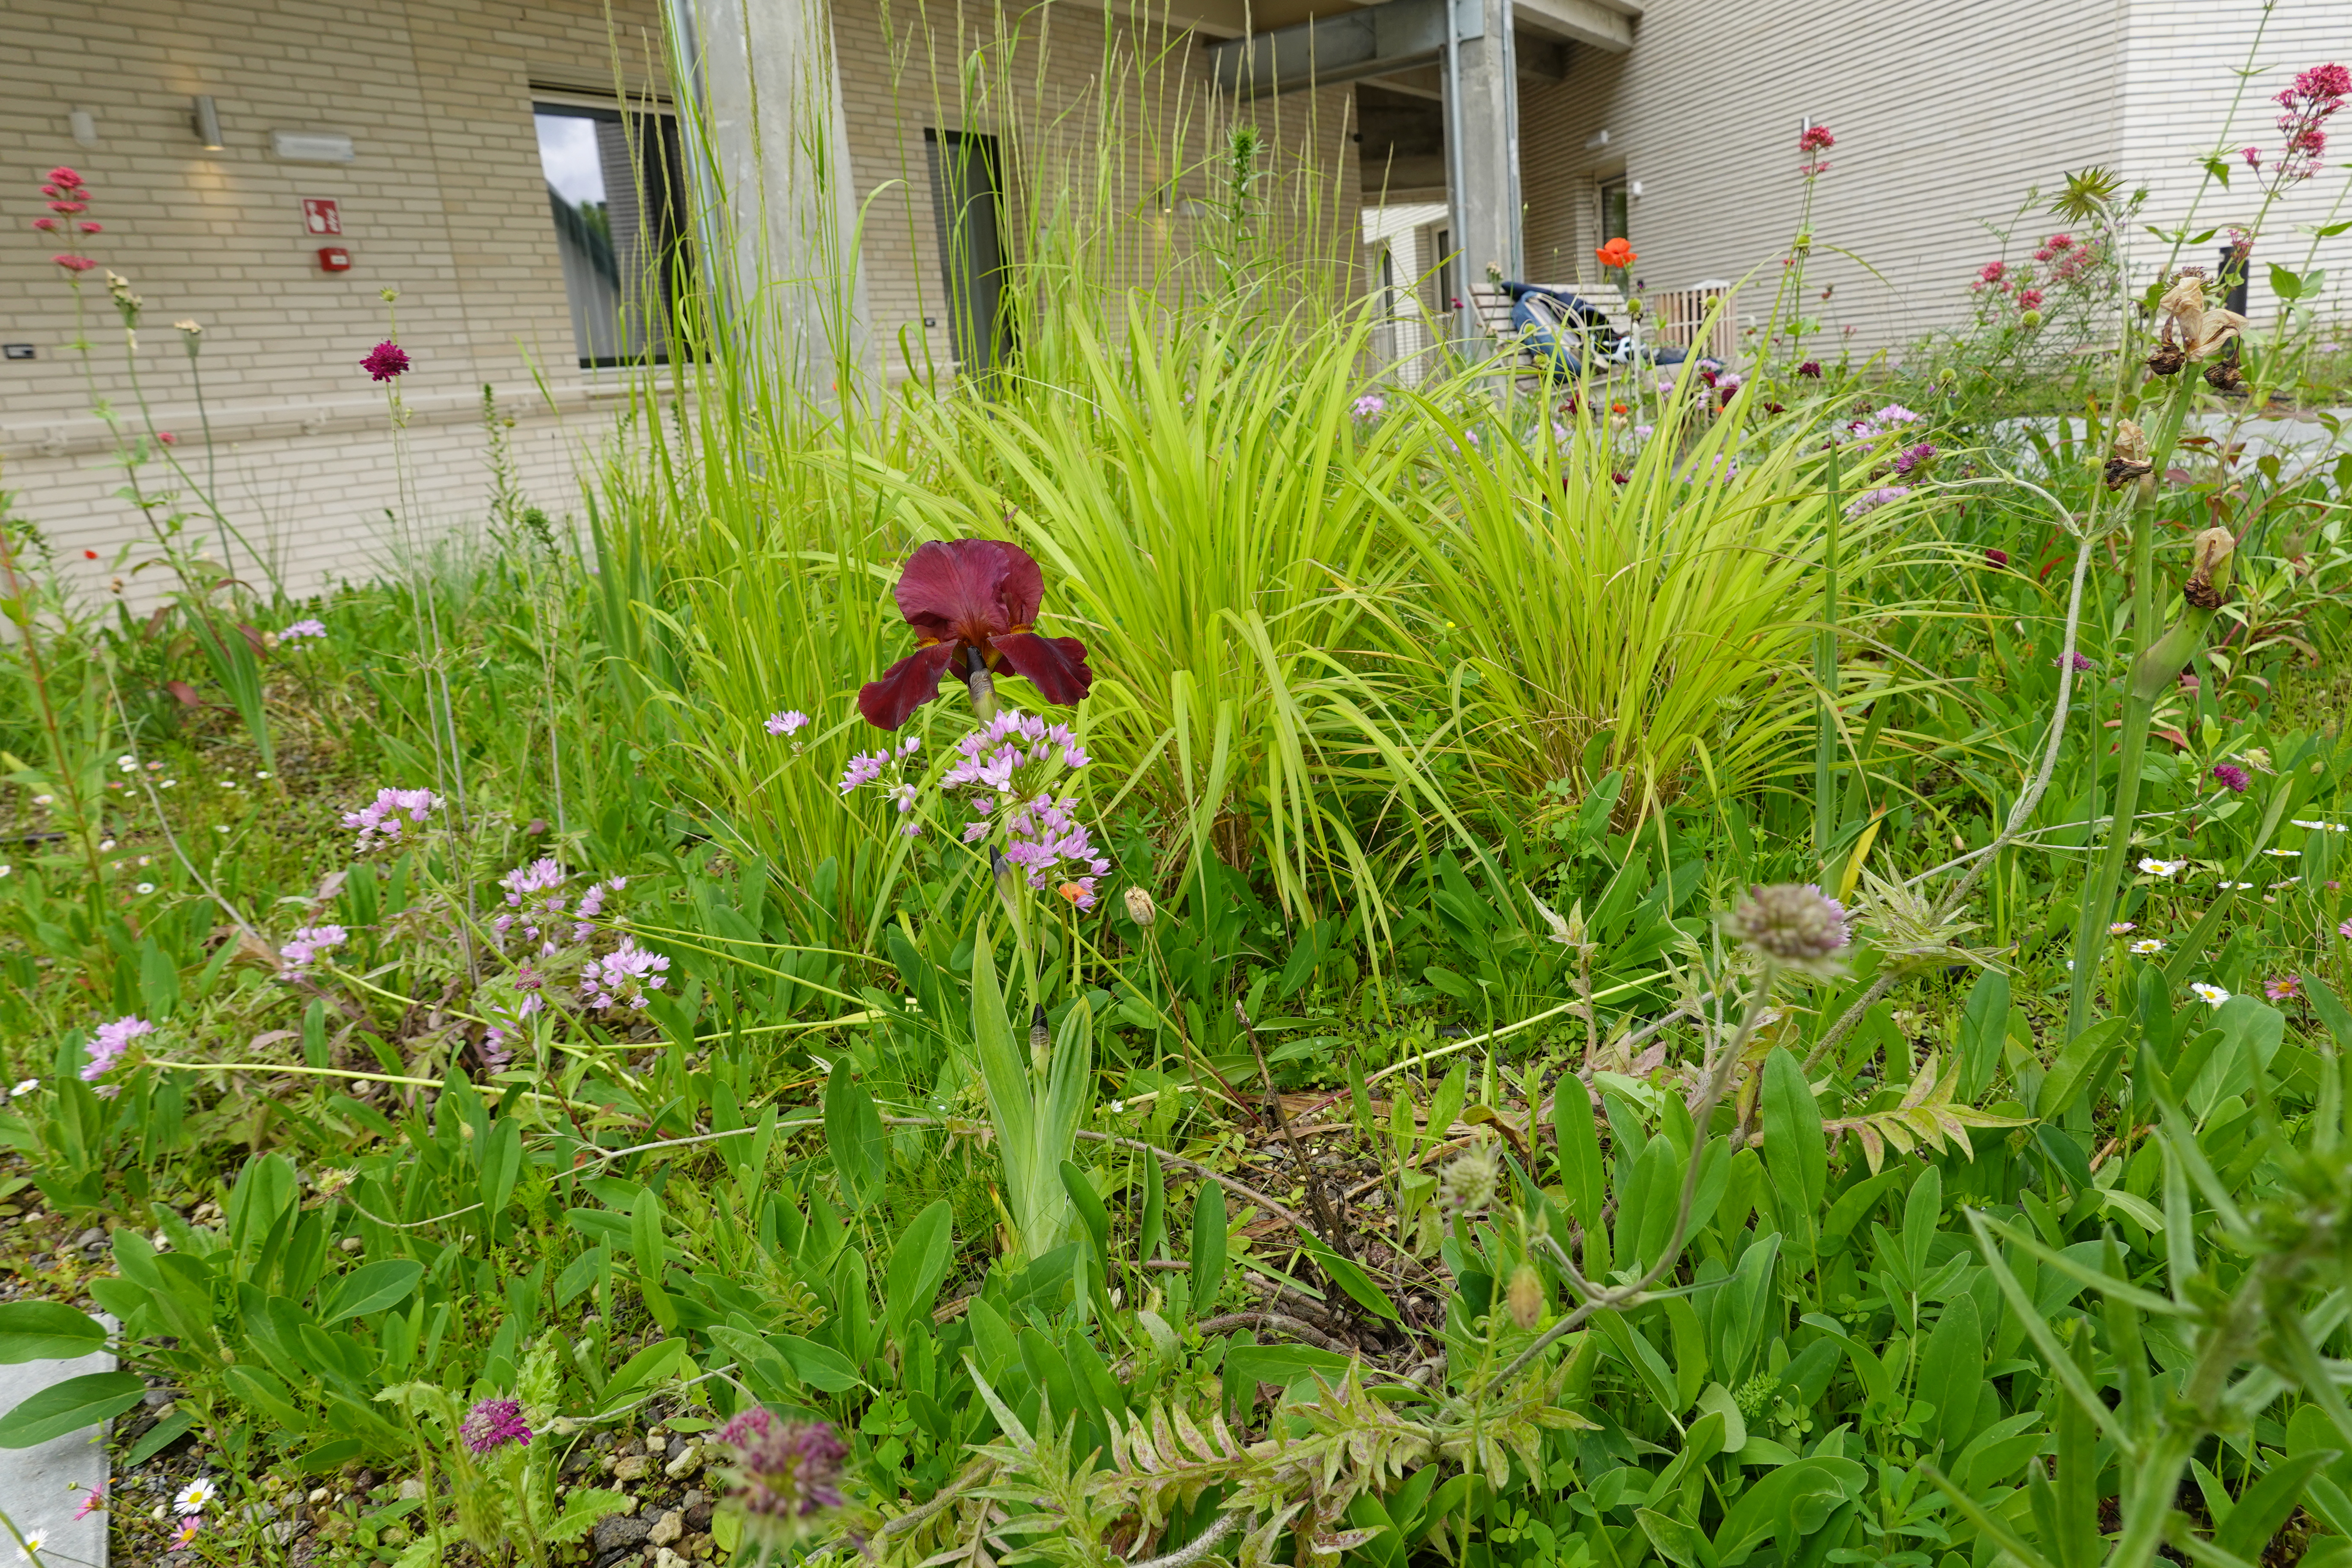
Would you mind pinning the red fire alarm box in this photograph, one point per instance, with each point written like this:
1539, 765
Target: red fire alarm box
334, 258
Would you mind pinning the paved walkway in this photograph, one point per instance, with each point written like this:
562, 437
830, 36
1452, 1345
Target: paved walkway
41, 1488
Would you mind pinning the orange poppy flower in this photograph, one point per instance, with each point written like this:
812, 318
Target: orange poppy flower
1616, 252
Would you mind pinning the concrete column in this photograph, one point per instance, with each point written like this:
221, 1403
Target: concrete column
1483, 127
769, 95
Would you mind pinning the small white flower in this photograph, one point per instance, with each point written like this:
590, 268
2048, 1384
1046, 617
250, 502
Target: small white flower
2289, 882
2212, 994
154, 767
168, 784
2070, 964
146, 859
194, 1497
24, 1087
104, 844
43, 799
2156, 868
220, 828
128, 764
2227, 886
146, 887
2322, 827
1119, 1107
2120, 927
261, 773
5, 869
2283, 853
2148, 944
34, 1541
229, 784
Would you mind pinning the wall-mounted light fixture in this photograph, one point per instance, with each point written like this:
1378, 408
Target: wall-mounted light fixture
204, 118
1633, 187
1597, 141
312, 147
84, 126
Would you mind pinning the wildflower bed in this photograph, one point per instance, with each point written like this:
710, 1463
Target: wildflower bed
1329, 973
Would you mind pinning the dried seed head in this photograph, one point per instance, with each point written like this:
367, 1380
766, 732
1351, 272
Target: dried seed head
2222, 376
2131, 441
1139, 907
1526, 1296
2209, 578
1792, 924
1469, 1184
2166, 359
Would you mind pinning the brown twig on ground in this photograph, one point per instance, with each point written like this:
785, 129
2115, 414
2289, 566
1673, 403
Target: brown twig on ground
1281, 1321
1327, 1217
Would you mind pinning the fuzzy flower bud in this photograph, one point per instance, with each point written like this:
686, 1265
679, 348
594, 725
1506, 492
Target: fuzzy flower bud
1139, 907
1469, 1184
1793, 925
1525, 1297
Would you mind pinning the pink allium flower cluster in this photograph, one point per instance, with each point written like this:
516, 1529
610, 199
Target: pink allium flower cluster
379, 818
107, 1045
310, 627
385, 362
790, 722
1051, 847
784, 1470
621, 977
868, 767
507, 1021
987, 758
1870, 500
536, 904
1372, 406
492, 1424
309, 945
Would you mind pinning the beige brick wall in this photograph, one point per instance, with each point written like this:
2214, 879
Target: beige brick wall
444, 203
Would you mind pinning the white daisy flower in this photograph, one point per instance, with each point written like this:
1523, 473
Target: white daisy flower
43, 799
128, 763
24, 1088
2213, 996
146, 887
34, 1541
2316, 827
2283, 853
104, 844
2227, 886
2156, 868
2120, 927
2148, 944
220, 828
196, 1496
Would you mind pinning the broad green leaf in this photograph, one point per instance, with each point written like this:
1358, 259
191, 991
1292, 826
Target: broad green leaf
819, 1366
1795, 1156
1984, 1024
1578, 1142
46, 1330
2264, 1506
1092, 1214
371, 1288
1352, 1278
647, 1367
163, 1435
1208, 1247
919, 1262
70, 1405
1801, 1497
853, 1135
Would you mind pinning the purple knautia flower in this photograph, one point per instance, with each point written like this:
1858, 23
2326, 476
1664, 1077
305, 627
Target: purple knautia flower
790, 722
621, 977
2232, 777
379, 818
1372, 406
107, 1045
387, 361
1792, 924
1872, 501
307, 945
312, 627
1912, 457
863, 769
784, 1470
492, 1424
2082, 663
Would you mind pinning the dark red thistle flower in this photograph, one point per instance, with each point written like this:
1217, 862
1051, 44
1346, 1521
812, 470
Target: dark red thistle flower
967, 597
1812, 367
385, 361
1997, 558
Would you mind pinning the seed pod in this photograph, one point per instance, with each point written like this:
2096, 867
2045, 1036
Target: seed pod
1139, 907
1526, 1296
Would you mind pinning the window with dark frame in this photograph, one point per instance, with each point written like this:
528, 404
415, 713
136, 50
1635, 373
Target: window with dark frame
1616, 212
968, 204
616, 191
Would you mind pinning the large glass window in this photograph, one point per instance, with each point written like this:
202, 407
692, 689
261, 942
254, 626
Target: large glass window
616, 188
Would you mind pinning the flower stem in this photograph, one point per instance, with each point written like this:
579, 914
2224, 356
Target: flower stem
1825, 674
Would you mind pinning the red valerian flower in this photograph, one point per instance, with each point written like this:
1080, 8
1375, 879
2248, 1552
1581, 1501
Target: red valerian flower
966, 598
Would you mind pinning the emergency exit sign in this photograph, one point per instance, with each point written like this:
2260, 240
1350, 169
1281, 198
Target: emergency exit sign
320, 216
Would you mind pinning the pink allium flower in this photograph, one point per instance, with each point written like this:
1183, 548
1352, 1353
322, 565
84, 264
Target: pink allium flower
109, 1042
784, 1471
2231, 776
1372, 406
863, 769
309, 945
379, 818
492, 1424
385, 361
1870, 500
790, 721
621, 977
74, 263
309, 628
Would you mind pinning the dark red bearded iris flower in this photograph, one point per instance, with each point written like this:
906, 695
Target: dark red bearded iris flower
966, 597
